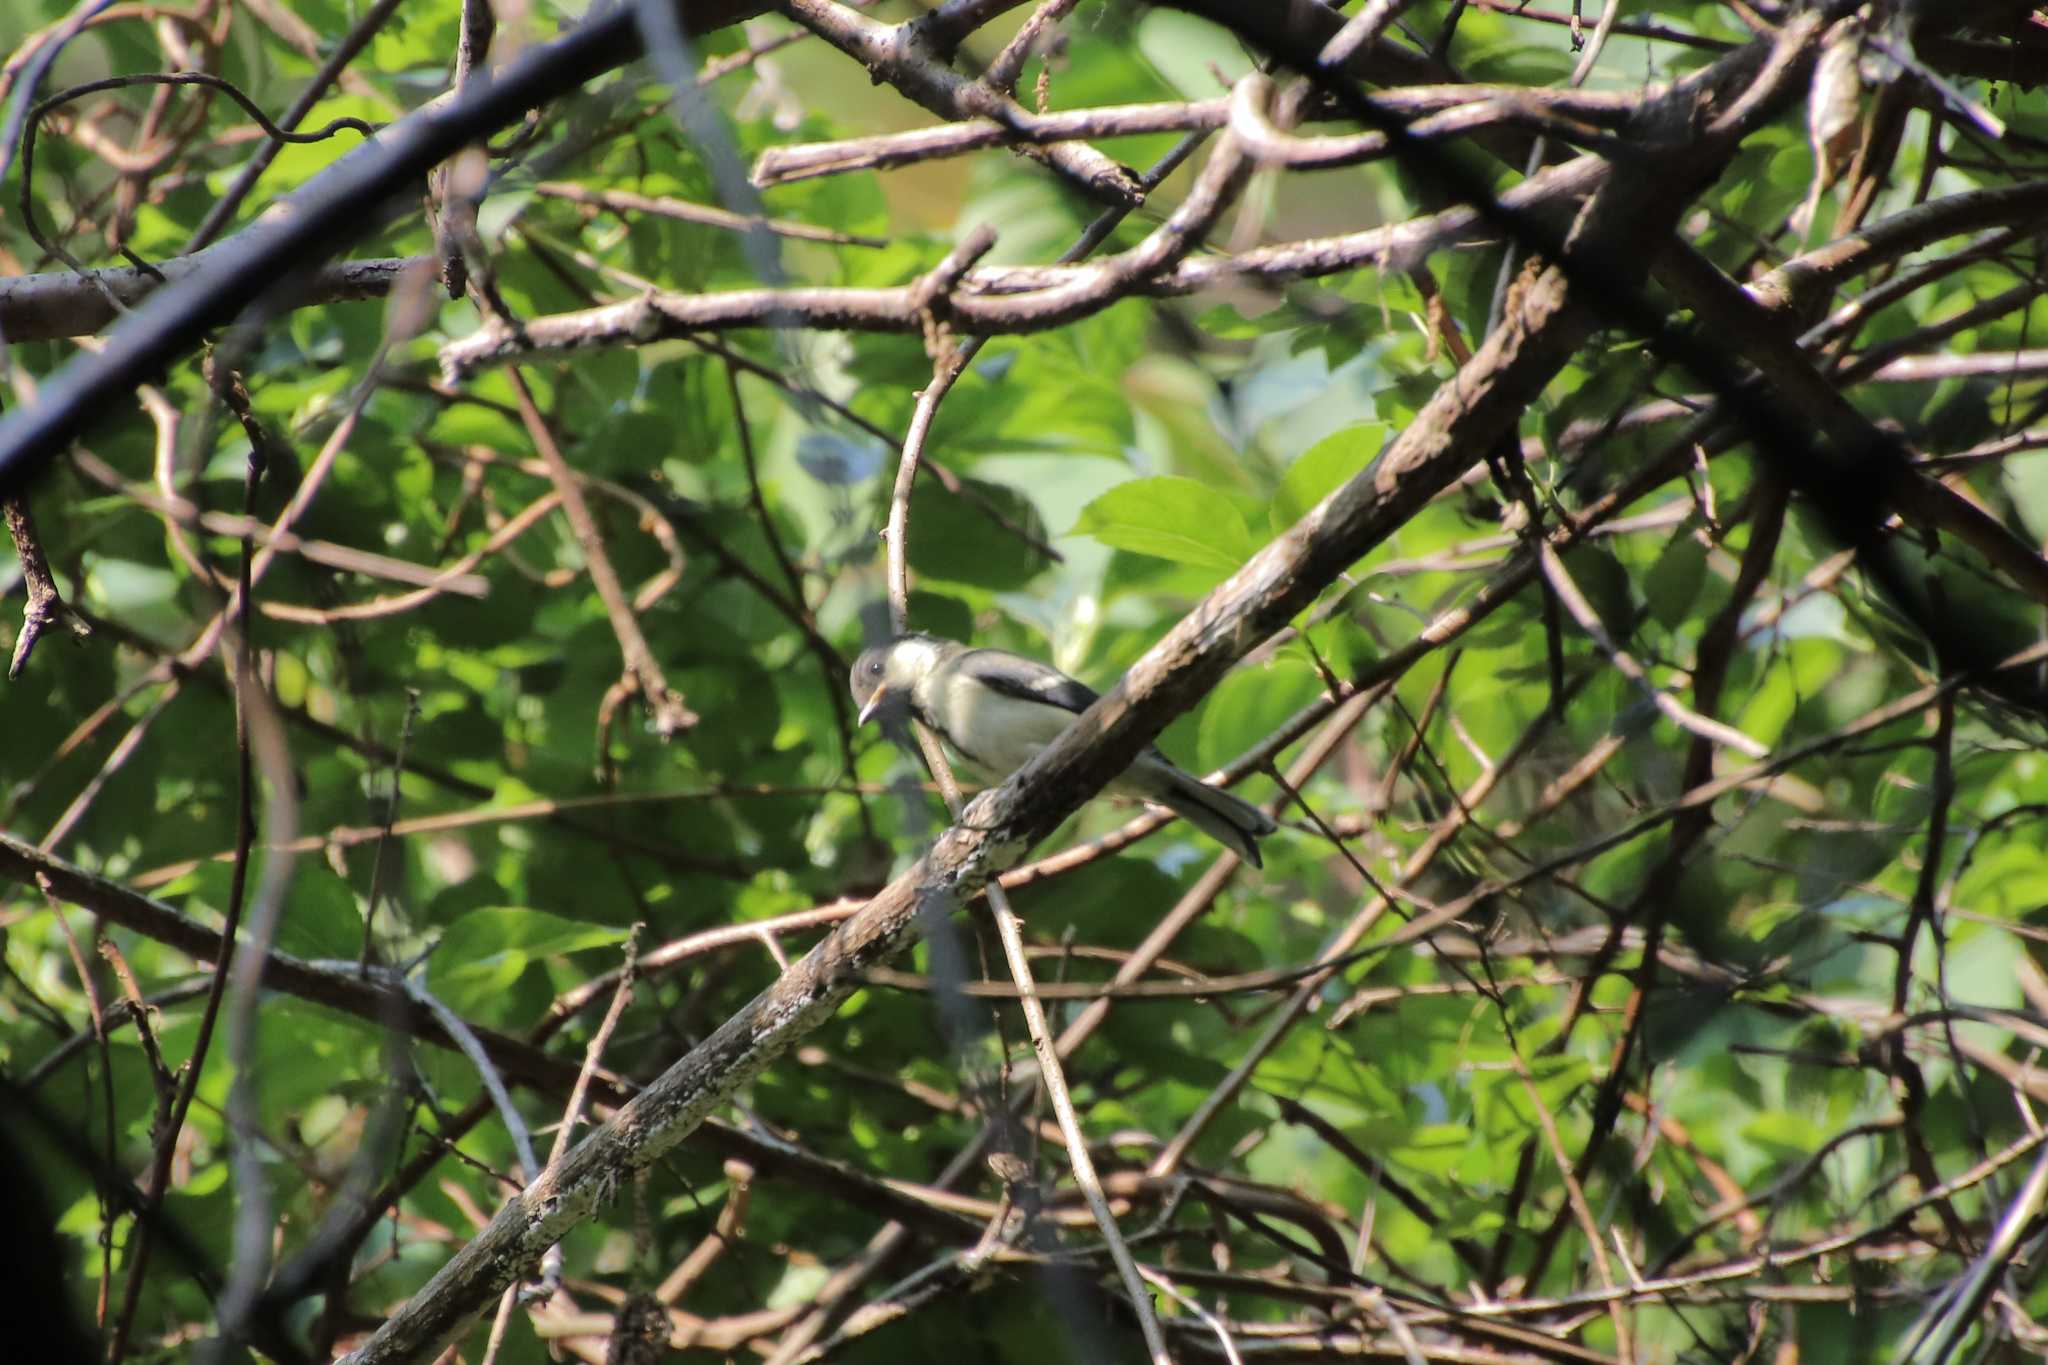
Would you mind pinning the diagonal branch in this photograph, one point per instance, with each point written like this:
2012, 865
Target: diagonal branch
670, 713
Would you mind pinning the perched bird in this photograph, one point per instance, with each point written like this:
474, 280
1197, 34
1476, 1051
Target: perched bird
996, 710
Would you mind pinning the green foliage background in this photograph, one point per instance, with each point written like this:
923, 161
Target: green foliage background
1154, 447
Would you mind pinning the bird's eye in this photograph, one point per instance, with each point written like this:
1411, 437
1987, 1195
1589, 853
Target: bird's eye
874, 668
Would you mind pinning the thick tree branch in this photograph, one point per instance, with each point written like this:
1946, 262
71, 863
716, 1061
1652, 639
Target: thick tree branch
71, 303
1738, 322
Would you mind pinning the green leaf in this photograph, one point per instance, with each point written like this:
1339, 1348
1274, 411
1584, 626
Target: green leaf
1604, 582
486, 950
1192, 54
1787, 1134
2026, 483
1433, 1149
1323, 468
324, 920
1170, 518
957, 537
1675, 579
1249, 704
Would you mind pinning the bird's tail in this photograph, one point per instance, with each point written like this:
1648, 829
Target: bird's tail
1235, 824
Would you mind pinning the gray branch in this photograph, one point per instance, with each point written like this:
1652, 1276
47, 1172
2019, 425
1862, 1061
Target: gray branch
71, 303
1009, 300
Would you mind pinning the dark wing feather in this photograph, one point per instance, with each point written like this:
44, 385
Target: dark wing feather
1026, 680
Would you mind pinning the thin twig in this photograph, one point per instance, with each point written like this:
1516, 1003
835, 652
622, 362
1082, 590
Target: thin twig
45, 606
670, 713
1053, 1077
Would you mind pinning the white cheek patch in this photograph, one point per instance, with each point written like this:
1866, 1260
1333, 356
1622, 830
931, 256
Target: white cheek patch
912, 659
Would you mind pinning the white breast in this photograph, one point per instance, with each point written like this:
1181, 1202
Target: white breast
997, 734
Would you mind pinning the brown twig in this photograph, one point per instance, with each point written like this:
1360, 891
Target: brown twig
46, 606
683, 211
670, 713
335, 63
237, 615
898, 55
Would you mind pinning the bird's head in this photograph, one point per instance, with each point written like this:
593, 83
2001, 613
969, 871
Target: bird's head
884, 676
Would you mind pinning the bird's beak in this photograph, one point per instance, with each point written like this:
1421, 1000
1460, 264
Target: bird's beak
874, 704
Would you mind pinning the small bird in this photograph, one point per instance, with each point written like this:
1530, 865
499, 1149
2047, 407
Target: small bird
996, 710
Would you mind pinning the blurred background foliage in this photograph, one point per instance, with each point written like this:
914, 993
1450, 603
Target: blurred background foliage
1106, 475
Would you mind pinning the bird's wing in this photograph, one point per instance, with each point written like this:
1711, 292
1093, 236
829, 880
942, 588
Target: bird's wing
1012, 675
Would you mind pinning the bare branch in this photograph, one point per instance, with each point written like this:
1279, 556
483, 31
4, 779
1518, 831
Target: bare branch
1007, 300
45, 604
